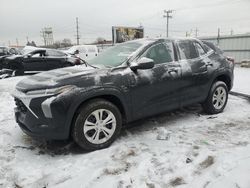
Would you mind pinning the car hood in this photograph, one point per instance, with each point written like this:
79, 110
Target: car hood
57, 77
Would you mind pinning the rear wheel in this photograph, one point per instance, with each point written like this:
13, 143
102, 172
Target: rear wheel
19, 72
97, 125
217, 98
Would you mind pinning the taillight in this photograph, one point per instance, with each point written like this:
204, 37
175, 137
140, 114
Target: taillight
230, 59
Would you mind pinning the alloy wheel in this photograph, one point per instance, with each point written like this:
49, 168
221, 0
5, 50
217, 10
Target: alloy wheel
99, 126
219, 98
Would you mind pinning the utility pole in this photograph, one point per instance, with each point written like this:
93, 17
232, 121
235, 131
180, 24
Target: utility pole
17, 42
77, 32
196, 33
218, 37
232, 32
168, 16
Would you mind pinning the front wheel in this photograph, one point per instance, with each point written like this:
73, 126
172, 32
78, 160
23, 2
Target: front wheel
217, 98
19, 72
97, 125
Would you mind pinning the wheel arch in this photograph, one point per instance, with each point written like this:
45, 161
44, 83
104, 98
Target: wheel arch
111, 97
226, 79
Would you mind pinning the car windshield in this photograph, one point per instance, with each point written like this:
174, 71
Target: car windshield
115, 56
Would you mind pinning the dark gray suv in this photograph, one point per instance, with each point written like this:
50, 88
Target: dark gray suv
127, 82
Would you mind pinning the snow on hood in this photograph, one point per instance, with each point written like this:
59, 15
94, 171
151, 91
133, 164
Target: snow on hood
52, 78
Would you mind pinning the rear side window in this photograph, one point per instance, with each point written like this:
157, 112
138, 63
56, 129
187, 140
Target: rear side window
207, 48
54, 53
187, 50
199, 49
91, 49
161, 53
82, 50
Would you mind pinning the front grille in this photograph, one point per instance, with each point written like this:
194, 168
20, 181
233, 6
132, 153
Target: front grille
20, 105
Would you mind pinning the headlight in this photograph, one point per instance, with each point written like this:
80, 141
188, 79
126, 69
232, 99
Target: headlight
52, 91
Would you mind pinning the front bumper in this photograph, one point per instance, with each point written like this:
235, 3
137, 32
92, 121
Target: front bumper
42, 117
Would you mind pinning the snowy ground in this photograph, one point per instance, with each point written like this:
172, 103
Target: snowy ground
242, 80
185, 148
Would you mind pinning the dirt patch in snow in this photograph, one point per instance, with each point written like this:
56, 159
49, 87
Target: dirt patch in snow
177, 181
207, 162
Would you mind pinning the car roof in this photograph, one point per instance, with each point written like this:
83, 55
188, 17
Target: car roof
162, 39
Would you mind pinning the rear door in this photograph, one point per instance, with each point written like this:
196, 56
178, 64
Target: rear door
55, 59
195, 63
157, 90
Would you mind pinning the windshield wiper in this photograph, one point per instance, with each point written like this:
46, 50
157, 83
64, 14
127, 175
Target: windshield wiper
108, 66
87, 64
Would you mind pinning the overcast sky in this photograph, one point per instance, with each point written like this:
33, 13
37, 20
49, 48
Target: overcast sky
26, 18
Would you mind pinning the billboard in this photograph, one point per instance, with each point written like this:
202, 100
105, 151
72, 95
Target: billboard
123, 34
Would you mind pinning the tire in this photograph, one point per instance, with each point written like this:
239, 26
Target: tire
89, 133
19, 72
217, 98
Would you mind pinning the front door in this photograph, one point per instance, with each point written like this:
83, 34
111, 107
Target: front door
157, 90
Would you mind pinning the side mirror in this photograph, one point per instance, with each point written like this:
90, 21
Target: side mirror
28, 55
143, 63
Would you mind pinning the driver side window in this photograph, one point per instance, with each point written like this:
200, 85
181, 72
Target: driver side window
36, 55
161, 53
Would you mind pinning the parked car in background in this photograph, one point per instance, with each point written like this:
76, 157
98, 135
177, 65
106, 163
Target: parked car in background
85, 52
8, 51
127, 82
39, 60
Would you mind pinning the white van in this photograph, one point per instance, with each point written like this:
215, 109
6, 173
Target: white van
85, 52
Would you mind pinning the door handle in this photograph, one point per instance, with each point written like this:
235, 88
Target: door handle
173, 70
209, 64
